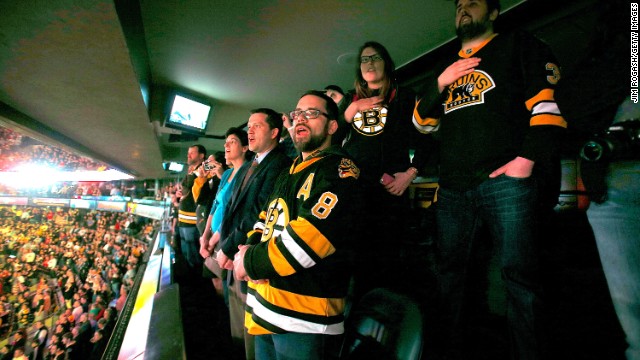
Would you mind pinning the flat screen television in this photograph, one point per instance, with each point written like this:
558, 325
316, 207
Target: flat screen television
188, 113
173, 166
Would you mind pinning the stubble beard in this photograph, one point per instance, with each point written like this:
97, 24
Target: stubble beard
313, 143
473, 29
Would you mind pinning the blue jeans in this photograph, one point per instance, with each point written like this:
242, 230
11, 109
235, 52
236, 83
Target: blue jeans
508, 207
190, 246
616, 227
297, 346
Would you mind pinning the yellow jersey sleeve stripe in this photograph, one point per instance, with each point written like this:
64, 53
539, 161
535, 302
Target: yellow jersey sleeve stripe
548, 119
424, 125
296, 250
312, 237
278, 261
543, 95
197, 187
544, 110
546, 107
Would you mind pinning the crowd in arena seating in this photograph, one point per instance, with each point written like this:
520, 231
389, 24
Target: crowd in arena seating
17, 149
77, 265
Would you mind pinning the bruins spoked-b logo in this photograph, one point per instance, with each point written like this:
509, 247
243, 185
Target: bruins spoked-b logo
277, 219
468, 90
370, 122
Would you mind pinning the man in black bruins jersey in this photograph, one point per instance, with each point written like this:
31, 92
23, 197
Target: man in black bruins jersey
299, 262
493, 111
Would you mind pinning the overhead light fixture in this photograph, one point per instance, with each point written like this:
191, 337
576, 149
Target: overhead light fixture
37, 176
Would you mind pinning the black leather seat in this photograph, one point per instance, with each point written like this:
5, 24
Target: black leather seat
383, 325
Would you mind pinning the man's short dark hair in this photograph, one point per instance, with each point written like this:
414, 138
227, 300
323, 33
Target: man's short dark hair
491, 5
330, 105
274, 119
201, 149
335, 88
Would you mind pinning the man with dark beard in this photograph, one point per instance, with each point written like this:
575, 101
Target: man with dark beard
298, 257
493, 111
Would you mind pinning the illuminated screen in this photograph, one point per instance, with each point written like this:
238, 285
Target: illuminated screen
174, 166
188, 114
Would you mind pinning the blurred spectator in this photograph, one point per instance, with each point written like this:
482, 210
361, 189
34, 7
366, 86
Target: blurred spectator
36, 351
18, 340
5, 353
40, 337
18, 354
99, 342
56, 351
71, 347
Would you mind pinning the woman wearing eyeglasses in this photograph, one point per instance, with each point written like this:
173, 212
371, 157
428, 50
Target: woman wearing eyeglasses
380, 138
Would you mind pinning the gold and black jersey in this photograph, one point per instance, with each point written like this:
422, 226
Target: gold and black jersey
381, 138
302, 248
190, 191
505, 108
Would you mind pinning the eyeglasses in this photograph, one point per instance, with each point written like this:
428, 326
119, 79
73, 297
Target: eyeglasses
365, 59
308, 114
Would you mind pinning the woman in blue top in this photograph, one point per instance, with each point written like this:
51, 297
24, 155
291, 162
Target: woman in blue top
236, 152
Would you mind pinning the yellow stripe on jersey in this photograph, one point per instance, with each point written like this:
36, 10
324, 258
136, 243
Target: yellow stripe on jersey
252, 327
304, 304
313, 237
467, 53
544, 110
288, 322
303, 165
548, 119
280, 264
301, 256
424, 125
187, 217
198, 183
543, 95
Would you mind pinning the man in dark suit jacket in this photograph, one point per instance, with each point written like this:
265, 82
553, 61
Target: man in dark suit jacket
250, 193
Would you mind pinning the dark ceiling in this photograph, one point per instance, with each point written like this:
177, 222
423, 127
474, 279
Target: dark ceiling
93, 76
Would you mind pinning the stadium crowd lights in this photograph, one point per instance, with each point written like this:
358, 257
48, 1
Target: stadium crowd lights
35, 176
